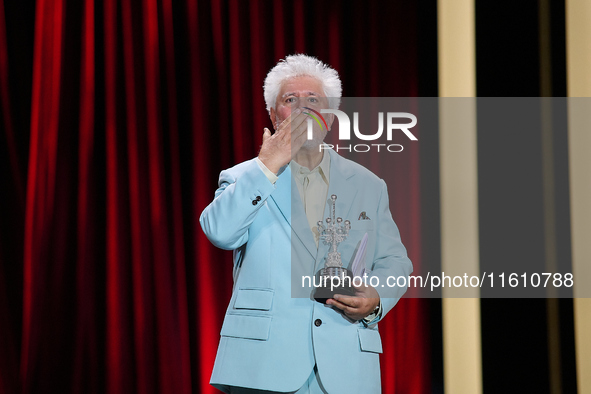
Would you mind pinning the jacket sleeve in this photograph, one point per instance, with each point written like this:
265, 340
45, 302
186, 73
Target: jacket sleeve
243, 191
390, 259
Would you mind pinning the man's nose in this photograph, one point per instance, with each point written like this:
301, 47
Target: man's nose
299, 104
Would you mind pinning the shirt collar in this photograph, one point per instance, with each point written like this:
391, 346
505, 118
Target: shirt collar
323, 168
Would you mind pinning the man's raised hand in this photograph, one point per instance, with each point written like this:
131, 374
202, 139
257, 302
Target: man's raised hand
278, 149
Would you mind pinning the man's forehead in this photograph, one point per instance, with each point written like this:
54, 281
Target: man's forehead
302, 85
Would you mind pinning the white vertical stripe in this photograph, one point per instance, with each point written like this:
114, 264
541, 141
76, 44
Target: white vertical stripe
459, 192
578, 37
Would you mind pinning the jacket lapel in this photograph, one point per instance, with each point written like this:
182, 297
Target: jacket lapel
287, 198
282, 194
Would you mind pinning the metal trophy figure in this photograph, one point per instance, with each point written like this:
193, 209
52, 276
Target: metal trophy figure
333, 278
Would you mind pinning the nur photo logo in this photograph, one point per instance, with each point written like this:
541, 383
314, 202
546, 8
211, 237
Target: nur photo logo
392, 124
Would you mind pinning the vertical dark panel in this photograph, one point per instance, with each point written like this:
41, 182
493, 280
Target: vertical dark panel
511, 236
429, 163
558, 42
511, 206
507, 48
427, 59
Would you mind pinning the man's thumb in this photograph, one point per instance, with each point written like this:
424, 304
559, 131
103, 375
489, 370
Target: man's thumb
266, 134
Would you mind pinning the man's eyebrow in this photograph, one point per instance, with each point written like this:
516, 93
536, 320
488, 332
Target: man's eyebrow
310, 93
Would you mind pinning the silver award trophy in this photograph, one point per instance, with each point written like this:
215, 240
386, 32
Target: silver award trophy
333, 278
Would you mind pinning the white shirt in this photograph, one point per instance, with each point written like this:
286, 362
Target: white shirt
313, 188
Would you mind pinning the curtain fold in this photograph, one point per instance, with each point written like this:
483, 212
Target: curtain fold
107, 283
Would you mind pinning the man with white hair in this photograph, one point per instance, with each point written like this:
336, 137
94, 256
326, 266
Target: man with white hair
267, 210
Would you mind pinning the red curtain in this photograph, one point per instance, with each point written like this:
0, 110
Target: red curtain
117, 117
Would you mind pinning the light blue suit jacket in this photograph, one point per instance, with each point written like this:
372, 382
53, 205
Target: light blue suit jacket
269, 339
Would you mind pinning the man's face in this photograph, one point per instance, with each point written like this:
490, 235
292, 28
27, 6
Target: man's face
300, 92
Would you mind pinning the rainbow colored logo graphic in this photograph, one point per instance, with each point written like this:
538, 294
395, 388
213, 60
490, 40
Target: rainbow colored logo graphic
315, 118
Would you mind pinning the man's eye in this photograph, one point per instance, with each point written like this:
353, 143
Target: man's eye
290, 100
313, 100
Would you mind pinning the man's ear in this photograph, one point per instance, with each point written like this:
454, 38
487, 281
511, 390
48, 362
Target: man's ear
273, 116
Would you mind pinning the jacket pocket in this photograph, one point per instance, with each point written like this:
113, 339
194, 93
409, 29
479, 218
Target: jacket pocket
370, 340
256, 299
248, 327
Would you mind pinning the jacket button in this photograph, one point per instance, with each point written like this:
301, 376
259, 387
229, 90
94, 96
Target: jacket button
318, 322
254, 202
258, 198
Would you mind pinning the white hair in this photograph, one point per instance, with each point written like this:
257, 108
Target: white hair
302, 65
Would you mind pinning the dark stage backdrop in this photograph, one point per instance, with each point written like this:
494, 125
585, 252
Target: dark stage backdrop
116, 118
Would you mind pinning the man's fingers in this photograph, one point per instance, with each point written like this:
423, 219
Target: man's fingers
366, 291
300, 129
353, 302
295, 119
299, 134
298, 121
352, 312
339, 305
287, 120
298, 140
297, 126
